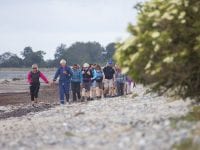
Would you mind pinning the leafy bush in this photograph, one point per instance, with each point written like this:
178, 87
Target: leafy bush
164, 47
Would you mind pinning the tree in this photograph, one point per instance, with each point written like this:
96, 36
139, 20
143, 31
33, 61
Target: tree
10, 60
60, 50
79, 53
31, 57
164, 47
110, 49
27, 51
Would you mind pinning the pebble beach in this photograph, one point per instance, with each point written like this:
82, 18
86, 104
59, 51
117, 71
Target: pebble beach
139, 122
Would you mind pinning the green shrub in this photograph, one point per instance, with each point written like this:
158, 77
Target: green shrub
164, 47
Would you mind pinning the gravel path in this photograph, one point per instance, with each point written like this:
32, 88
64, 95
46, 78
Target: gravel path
140, 123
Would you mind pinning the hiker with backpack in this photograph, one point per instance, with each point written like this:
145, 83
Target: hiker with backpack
98, 77
120, 81
109, 79
34, 81
93, 82
76, 81
64, 73
128, 84
87, 76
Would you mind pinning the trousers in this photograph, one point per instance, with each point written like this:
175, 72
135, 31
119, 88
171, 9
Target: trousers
75, 86
64, 88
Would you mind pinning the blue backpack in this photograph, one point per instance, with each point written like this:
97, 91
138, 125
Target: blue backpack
99, 76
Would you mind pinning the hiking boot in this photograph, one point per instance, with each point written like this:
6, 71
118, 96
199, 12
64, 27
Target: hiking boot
83, 99
32, 103
35, 101
62, 102
98, 97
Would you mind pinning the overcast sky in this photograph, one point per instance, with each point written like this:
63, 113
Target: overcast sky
45, 24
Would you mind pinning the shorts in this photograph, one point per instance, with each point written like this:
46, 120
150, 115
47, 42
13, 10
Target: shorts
93, 84
99, 85
86, 86
108, 83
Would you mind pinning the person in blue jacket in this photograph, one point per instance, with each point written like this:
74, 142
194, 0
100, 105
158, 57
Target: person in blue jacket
76, 81
65, 74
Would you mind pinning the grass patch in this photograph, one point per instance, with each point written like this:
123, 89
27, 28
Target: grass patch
69, 134
134, 95
186, 144
192, 116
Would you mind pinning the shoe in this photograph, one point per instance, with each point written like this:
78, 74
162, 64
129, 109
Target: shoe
36, 101
33, 103
98, 97
62, 102
83, 99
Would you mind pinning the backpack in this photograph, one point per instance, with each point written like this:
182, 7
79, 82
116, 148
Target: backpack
86, 77
35, 77
99, 76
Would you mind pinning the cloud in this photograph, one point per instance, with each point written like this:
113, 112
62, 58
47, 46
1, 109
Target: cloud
47, 23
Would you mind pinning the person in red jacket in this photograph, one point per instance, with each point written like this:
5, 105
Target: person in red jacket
33, 79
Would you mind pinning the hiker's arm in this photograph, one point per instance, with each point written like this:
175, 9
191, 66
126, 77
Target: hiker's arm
29, 78
43, 77
70, 72
94, 75
81, 77
56, 74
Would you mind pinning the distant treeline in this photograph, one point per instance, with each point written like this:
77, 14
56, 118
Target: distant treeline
79, 52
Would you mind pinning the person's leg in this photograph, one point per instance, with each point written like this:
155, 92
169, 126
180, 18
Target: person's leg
106, 87
88, 86
122, 88
61, 91
115, 88
66, 90
110, 87
93, 90
37, 88
97, 89
32, 88
101, 89
118, 88
125, 88
84, 91
78, 91
73, 87
67, 97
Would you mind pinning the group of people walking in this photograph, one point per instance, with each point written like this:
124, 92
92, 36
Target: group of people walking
83, 83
